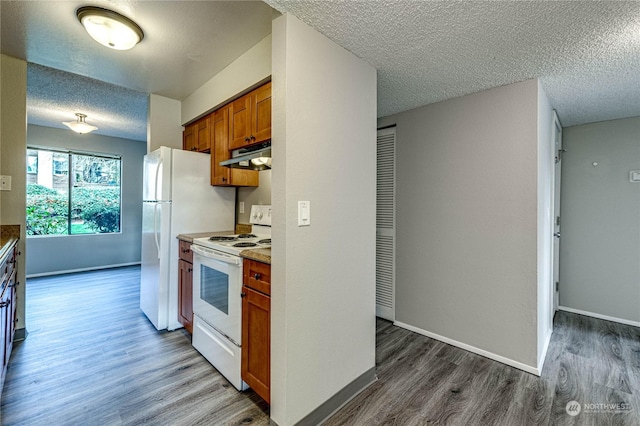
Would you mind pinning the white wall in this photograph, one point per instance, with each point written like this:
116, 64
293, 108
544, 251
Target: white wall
546, 169
163, 124
600, 245
53, 254
13, 162
247, 72
467, 207
324, 151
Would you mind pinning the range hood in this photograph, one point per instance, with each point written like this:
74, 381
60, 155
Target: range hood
252, 158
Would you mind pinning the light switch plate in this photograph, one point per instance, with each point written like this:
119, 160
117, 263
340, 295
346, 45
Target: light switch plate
304, 213
5, 183
634, 176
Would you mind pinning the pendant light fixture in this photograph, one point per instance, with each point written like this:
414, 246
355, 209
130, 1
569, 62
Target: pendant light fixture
109, 28
80, 126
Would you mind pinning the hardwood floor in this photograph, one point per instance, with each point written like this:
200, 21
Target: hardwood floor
92, 357
423, 381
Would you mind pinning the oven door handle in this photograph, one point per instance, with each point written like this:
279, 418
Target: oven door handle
211, 254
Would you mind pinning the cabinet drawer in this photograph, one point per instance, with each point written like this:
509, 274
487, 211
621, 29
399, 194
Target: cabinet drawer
257, 275
185, 251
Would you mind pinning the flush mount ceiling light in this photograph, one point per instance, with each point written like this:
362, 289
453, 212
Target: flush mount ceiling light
109, 28
80, 126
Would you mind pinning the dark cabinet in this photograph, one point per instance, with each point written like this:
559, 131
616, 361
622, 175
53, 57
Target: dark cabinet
185, 286
8, 306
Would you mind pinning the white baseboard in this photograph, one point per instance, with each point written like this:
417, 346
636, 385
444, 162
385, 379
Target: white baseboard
93, 268
466, 347
599, 316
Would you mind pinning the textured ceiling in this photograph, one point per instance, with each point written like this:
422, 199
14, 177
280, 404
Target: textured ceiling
55, 96
586, 53
185, 44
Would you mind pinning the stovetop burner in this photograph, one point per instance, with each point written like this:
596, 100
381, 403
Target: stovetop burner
222, 238
265, 241
245, 245
247, 236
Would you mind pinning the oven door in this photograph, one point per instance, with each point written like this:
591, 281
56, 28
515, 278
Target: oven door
217, 284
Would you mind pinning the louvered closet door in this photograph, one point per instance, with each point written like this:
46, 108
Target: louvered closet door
386, 224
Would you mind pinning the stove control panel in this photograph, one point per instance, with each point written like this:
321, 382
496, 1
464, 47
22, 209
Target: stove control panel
260, 215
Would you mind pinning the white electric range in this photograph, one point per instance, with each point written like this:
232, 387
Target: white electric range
217, 288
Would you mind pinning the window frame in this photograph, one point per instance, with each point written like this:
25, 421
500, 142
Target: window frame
70, 170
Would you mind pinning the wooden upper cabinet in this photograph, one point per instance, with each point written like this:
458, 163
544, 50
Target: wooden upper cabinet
220, 134
220, 175
189, 137
203, 135
251, 118
196, 136
261, 114
240, 122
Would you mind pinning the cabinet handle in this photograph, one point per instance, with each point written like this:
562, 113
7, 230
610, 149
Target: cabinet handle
243, 294
253, 137
224, 179
257, 276
247, 139
4, 304
190, 269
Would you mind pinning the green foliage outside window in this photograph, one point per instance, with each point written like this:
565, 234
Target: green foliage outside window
47, 211
93, 189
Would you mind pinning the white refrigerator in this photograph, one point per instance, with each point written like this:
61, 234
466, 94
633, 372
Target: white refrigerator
177, 199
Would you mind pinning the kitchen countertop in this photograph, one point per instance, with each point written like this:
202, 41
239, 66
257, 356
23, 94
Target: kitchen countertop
261, 255
9, 234
189, 237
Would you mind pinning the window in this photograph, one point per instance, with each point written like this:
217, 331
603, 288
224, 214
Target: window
72, 193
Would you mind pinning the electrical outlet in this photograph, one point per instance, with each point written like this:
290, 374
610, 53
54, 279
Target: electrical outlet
241, 206
5, 183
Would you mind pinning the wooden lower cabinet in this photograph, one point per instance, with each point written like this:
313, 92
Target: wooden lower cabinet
185, 286
8, 305
256, 334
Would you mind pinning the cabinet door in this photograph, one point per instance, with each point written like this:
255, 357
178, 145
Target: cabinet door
240, 116
5, 334
261, 114
185, 295
220, 135
189, 141
256, 342
203, 135
220, 175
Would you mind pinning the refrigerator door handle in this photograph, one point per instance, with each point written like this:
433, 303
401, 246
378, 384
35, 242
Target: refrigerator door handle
155, 188
155, 227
